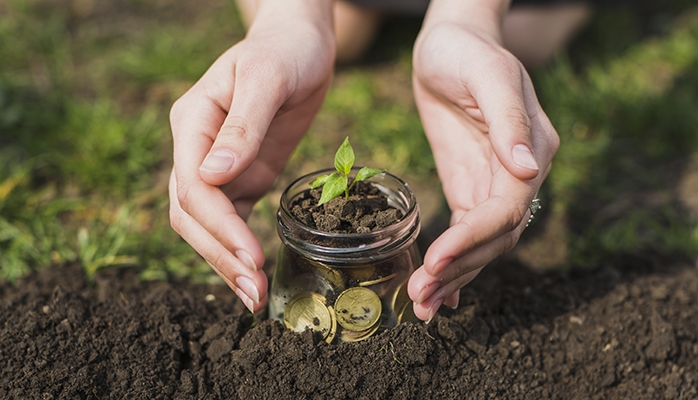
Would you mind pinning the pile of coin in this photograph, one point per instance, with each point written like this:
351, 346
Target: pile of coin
357, 312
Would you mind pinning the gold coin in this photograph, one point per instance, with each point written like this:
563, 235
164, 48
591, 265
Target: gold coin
332, 275
349, 336
400, 298
407, 314
402, 305
379, 280
357, 309
361, 273
307, 310
333, 327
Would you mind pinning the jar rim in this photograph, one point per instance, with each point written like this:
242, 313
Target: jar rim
383, 242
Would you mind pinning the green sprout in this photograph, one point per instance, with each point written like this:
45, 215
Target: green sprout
338, 182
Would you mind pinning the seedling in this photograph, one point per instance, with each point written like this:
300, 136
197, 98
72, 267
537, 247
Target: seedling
338, 182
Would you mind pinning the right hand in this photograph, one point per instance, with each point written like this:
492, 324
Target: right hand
492, 143
233, 133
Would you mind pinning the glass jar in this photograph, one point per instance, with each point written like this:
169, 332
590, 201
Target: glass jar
345, 287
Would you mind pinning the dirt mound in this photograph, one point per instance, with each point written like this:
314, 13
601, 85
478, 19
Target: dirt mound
629, 330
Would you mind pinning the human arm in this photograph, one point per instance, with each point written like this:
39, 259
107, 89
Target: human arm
492, 143
234, 130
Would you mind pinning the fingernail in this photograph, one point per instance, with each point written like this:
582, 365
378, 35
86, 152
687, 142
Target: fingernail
427, 291
453, 300
246, 259
248, 287
245, 300
434, 308
439, 266
217, 162
523, 157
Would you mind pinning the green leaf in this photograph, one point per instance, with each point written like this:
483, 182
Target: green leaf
367, 173
335, 185
319, 181
344, 159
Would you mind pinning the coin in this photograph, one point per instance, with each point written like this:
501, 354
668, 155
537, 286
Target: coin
360, 273
402, 305
400, 298
407, 314
307, 310
357, 309
332, 275
333, 328
349, 336
379, 280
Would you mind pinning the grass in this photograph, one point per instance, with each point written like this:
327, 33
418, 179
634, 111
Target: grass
85, 149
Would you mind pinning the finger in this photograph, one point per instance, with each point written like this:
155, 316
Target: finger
214, 212
283, 135
197, 136
249, 284
480, 256
544, 136
453, 300
258, 92
424, 285
426, 309
499, 214
499, 93
462, 157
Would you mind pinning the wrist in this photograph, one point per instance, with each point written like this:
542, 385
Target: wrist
483, 16
271, 14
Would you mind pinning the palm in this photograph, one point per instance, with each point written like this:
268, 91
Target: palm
233, 133
476, 111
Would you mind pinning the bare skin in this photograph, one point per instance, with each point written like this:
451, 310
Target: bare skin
237, 126
534, 34
495, 155
235, 129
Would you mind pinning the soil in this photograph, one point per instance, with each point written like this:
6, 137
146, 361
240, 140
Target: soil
365, 210
626, 330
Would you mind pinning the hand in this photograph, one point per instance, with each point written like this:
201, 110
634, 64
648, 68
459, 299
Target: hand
493, 147
236, 127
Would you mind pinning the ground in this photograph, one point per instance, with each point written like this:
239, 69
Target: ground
598, 299
626, 330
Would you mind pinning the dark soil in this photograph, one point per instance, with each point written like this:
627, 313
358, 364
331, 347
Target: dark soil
627, 330
365, 210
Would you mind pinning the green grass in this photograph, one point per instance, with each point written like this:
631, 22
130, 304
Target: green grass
85, 147
628, 129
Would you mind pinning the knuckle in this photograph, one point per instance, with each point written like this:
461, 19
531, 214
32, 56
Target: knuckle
176, 219
236, 129
506, 65
183, 196
269, 68
519, 119
176, 110
554, 141
516, 214
510, 240
217, 260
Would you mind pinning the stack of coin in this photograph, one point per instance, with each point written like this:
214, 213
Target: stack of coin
307, 310
322, 301
358, 311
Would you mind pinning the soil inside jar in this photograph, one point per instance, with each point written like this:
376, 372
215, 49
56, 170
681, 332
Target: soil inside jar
366, 210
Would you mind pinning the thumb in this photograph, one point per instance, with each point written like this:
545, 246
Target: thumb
237, 143
505, 108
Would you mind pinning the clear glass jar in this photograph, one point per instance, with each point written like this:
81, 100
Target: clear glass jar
345, 287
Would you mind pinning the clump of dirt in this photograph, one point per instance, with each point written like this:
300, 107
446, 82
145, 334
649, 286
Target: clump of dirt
627, 330
365, 210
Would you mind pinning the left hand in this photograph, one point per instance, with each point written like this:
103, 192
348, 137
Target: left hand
493, 146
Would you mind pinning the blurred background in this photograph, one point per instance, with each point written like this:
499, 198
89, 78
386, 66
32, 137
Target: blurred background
85, 145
